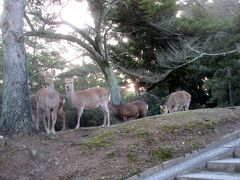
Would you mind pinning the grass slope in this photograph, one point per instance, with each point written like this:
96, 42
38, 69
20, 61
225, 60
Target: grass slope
117, 152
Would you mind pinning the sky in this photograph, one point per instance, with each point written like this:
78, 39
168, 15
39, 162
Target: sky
77, 14
1, 6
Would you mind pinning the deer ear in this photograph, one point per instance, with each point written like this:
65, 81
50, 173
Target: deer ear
74, 78
66, 80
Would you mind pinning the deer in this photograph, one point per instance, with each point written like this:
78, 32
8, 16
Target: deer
95, 97
177, 101
35, 111
35, 115
137, 109
48, 100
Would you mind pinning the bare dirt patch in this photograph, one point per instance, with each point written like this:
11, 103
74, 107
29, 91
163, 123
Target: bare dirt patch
117, 152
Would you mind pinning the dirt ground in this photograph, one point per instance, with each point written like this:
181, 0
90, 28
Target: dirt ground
117, 152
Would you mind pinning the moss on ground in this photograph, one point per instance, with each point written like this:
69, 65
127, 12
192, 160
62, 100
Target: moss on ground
160, 154
194, 143
142, 133
102, 140
209, 124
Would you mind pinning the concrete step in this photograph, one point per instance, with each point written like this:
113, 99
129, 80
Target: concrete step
236, 153
206, 175
224, 165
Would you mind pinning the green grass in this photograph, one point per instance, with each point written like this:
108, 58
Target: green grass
142, 133
132, 158
160, 154
111, 155
170, 128
209, 124
194, 143
103, 140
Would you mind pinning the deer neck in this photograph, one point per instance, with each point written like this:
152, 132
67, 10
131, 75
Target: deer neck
50, 89
72, 96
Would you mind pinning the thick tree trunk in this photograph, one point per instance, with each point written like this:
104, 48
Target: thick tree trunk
16, 110
112, 83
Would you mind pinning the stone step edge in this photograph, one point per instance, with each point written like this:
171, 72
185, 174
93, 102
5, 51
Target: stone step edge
207, 174
173, 162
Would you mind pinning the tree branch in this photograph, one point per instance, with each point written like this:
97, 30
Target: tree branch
58, 62
166, 30
29, 22
63, 22
65, 37
154, 77
213, 54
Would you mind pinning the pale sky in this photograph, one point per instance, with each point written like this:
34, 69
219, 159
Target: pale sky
76, 13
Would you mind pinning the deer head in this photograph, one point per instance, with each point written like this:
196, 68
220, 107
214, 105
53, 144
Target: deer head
48, 76
69, 84
163, 109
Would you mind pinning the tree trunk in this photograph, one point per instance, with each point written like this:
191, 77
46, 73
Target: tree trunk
112, 83
16, 110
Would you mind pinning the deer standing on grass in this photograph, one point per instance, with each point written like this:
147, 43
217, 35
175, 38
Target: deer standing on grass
88, 99
132, 109
35, 111
177, 101
48, 102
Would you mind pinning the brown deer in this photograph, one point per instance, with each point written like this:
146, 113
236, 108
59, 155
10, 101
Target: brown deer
35, 111
177, 101
35, 116
48, 102
88, 99
133, 109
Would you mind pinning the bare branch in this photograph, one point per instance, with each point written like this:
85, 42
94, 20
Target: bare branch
29, 22
170, 61
52, 65
105, 42
63, 22
165, 30
213, 54
201, 5
65, 37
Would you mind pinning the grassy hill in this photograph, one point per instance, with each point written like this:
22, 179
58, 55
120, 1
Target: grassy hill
117, 152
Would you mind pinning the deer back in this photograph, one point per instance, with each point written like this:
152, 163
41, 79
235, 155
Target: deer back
92, 97
130, 109
142, 107
179, 97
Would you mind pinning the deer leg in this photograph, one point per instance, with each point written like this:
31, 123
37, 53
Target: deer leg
54, 119
124, 118
106, 115
104, 119
186, 107
170, 109
37, 123
37, 117
63, 119
175, 109
108, 118
80, 111
45, 118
